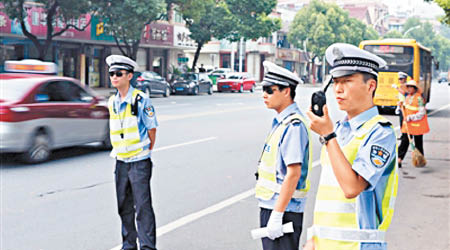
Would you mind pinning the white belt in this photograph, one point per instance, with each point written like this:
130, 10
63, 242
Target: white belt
347, 234
276, 187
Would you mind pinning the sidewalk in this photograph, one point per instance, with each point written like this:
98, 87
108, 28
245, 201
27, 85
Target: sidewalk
421, 219
105, 92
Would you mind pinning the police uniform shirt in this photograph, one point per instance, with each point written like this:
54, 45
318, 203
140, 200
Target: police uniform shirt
146, 119
293, 148
375, 172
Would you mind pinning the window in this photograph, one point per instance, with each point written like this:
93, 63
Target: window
398, 58
62, 91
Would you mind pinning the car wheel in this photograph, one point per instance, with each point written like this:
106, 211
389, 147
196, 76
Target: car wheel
241, 88
147, 91
106, 143
210, 91
195, 90
39, 151
253, 88
167, 92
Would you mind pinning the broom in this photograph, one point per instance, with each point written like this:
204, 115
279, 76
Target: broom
418, 160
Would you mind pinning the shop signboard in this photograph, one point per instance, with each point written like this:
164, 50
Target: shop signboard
181, 37
36, 23
288, 55
158, 34
98, 31
5, 23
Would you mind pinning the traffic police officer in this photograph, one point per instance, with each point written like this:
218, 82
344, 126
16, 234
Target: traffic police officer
133, 132
358, 183
286, 158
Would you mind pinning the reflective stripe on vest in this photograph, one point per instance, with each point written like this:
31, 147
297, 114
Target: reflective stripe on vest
267, 185
124, 131
419, 127
336, 222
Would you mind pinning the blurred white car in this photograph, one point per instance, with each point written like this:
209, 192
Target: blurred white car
39, 113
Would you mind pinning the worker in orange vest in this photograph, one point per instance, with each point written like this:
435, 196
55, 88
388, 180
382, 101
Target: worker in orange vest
415, 120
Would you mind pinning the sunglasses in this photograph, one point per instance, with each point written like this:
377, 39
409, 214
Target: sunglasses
269, 90
117, 73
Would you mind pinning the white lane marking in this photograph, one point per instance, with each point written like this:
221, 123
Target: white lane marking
184, 144
441, 108
221, 205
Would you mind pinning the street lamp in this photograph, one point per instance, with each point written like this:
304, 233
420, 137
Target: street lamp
412, 28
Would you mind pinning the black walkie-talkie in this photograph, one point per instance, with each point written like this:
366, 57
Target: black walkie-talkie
318, 99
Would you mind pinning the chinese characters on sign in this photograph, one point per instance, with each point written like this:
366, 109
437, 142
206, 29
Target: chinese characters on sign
160, 34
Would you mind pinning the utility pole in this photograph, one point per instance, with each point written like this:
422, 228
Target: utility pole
241, 51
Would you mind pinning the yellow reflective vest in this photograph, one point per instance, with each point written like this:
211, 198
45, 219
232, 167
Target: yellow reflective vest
267, 185
336, 218
124, 130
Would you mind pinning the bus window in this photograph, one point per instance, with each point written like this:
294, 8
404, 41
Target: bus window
398, 58
425, 64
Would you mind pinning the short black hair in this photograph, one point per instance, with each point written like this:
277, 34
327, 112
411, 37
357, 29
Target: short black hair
292, 87
367, 77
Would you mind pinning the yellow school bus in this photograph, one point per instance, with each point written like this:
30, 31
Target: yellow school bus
406, 55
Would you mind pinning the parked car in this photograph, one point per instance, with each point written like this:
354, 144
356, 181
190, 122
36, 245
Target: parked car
193, 83
39, 113
218, 74
152, 83
443, 77
237, 82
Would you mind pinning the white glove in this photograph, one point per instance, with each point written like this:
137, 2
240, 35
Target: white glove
275, 225
394, 86
397, 110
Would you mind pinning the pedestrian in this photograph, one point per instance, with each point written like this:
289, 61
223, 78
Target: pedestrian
401, 88
358, 182
282, 182
201, 69
415, 120
133, 132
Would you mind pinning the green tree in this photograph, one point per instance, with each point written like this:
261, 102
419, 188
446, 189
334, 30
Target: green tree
445, 5
226, 19
358, 31
424, 34
62, 12
321, 24
205, 19
251, 19
393, 34
126, 20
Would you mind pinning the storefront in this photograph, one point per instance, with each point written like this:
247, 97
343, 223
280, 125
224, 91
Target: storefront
81, 54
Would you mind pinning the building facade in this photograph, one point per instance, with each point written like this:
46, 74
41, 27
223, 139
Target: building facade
81, 54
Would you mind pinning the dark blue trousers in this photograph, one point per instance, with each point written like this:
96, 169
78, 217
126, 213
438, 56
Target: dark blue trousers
134, 202
290, 241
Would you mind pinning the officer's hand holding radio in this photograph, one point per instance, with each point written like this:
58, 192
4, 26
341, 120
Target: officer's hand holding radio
322, 125
318, 112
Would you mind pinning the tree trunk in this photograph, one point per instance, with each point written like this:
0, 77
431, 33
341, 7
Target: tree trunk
135, 49
197, 54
